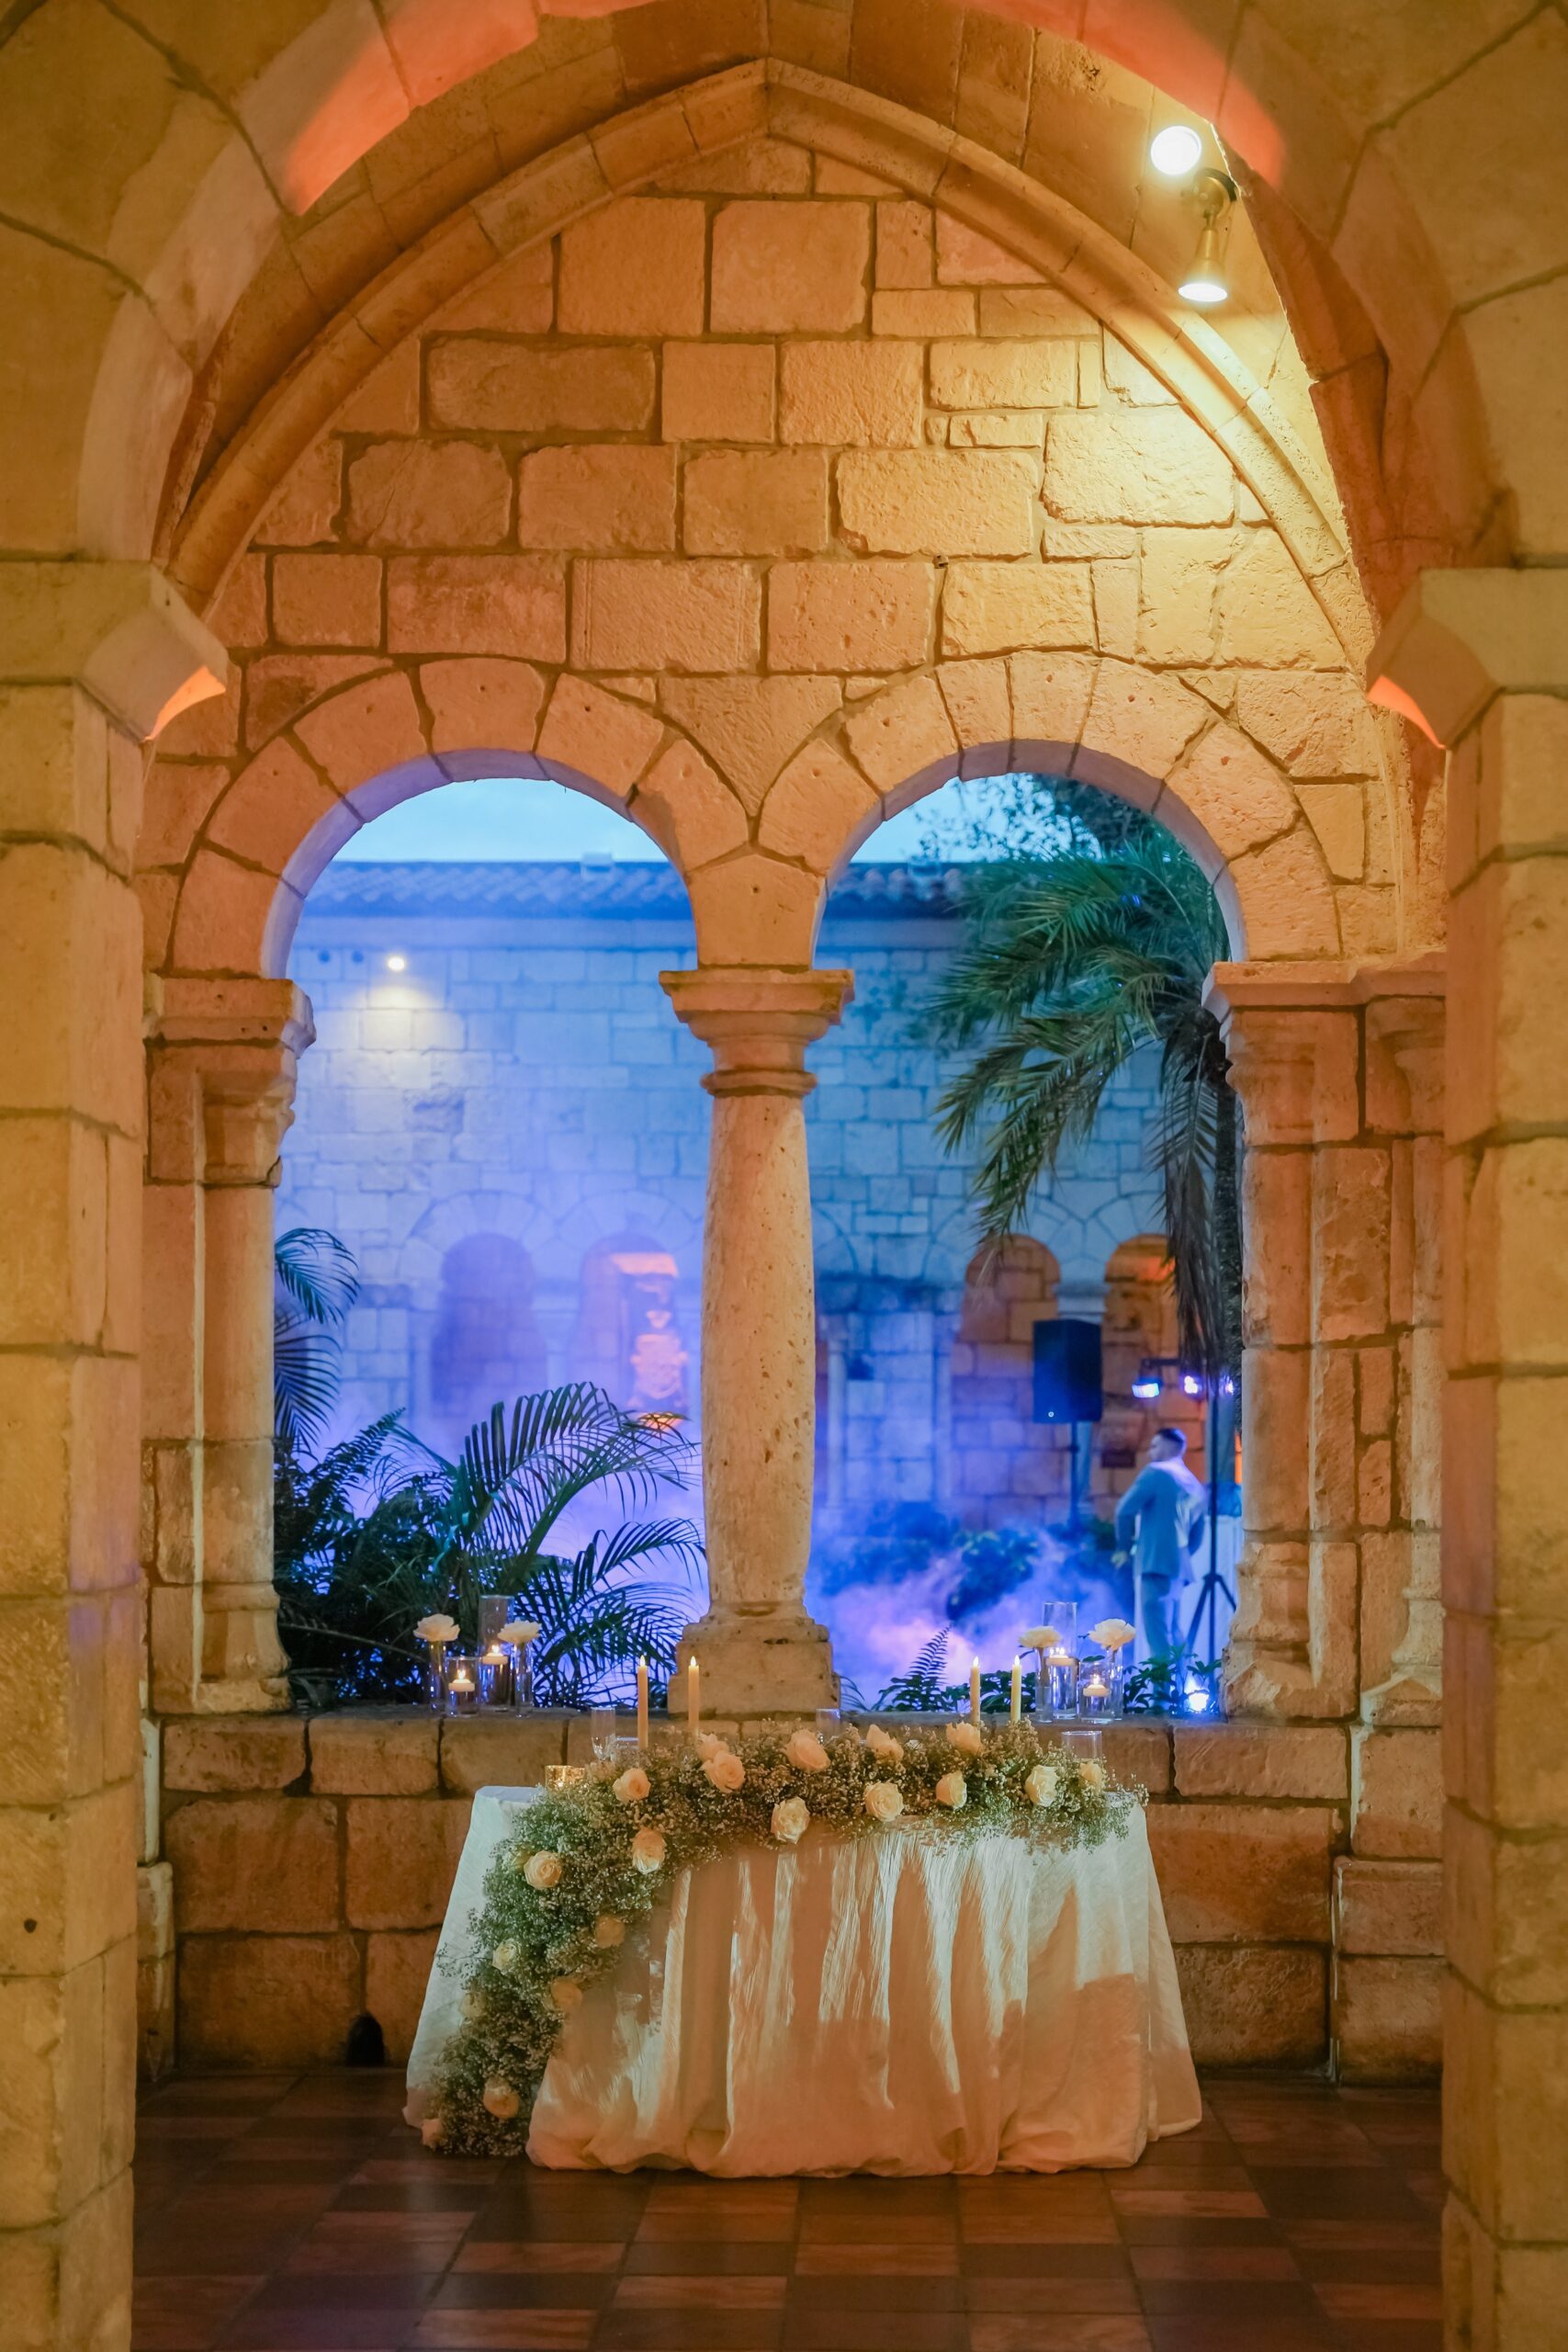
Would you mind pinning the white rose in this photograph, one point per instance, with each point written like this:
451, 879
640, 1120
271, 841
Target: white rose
805, 1751
437, 1629
952, 1790
709, 1743
963, 1736
647, 1852
1038, 1637
881, 1743
1093, 1774
500, 2099
790, 1818
518, 1631
543, 1871
632, 1786
609, 1931
1112, 1633
883, 1801
567, 1994
432, 2131
725, 1771
1040, 1788
473, 2006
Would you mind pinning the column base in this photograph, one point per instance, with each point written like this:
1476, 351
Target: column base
763, 1660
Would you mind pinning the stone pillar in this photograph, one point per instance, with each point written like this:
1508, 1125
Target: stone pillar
1480, 660
222, 1069
92, 656
758, 1647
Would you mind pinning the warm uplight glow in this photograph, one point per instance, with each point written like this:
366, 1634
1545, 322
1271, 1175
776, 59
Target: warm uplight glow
397, 963
1175, 150
1206, 281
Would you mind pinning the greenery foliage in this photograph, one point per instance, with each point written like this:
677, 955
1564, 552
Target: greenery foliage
1075, 959
589, 1862
315, 1282
910, 1538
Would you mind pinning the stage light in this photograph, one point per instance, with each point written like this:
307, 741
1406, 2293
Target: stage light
397, 963
1174, 151
1192, 1384
1148, 1383
1195, 1698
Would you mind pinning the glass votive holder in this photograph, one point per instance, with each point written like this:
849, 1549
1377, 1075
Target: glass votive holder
435, 1693
493, 1669
1055, 1690
601, 1732
521, 1676
1101, 1687
462, 1685
494, 1609
1084, 1744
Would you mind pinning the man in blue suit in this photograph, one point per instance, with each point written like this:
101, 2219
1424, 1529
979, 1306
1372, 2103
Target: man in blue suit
1160, 1520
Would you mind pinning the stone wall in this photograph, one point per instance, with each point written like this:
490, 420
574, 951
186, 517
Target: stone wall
308, 1862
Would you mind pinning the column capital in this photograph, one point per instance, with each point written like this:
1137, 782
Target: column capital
223, 1055
757, 1022
1293, 1034
118, 630
1458, 637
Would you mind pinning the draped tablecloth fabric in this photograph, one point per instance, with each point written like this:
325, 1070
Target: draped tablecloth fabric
900, 2002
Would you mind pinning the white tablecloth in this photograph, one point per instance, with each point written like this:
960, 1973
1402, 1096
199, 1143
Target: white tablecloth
896, 2004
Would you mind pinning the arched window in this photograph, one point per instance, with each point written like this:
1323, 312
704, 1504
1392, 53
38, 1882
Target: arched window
1140, 1327
487, 1347
629, 1333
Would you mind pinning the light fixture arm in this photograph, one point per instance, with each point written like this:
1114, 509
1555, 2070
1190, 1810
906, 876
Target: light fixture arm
1216, 192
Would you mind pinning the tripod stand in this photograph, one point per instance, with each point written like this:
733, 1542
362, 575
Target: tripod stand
1214, 1585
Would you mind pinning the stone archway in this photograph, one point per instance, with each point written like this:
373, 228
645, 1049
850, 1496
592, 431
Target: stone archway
129, 253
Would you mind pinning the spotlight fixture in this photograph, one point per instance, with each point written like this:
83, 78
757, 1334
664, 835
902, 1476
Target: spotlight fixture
397, 963
1192, 1384
1148, 1384
1174, 151
1206, 281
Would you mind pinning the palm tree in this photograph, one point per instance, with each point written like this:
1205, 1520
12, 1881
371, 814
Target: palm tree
437, 1534
316, 1280
1072, 963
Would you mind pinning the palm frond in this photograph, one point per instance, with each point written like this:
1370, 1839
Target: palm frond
319, 1272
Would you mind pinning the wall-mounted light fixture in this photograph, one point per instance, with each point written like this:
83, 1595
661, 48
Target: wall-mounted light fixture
1176, 150
1205, 281
397, 963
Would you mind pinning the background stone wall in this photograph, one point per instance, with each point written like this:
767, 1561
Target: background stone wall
308, 1863
509, 1134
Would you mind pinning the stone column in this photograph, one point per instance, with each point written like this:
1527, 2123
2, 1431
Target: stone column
221, 1069
1480, 660
92, 656
758, 1647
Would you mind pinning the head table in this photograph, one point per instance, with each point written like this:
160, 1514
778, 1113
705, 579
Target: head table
897, 2005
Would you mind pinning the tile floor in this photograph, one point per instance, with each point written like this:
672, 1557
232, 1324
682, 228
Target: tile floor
297, 2214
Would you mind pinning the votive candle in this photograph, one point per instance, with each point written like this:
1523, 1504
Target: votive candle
1015, 1706
694, 1683
642, 1702
975, 1690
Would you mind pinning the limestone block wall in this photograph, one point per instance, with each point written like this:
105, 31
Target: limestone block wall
309, 1861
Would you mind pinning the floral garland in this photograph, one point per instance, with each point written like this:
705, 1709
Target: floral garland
588, 1863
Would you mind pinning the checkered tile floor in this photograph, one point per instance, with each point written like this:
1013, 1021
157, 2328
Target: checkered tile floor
297, 2214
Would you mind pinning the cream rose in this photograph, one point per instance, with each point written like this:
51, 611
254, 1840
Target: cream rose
609, 1931
567, 1994
500, 2099
1038, 1637
883, 1800
725, 1771
505, 1957
632, 1786
805, 1751
518, 1631
1112, 1633
710, 1743
543, 1871
1039, 1787
437, 1629
952, 1790
1093, 1774
433, 2132
881, 1743
790, 1818
473, 2006
963, 1736
647, 1852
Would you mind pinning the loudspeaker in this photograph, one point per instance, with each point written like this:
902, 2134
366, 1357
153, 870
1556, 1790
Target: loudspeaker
1068, 1381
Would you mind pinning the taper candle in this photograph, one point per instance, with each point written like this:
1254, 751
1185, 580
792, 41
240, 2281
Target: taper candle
975, 1690
1016, 1703
642, 1702
693, 1704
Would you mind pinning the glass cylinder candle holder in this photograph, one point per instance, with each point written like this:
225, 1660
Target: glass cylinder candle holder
494, 1610
1100, 1685
1084, 1744
521, 1678
462, 1685
601, 1732
1056, 1685
492, 1671
435, 1693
